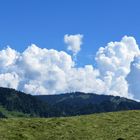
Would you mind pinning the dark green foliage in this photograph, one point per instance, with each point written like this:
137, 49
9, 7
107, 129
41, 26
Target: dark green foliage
13, 100
2, 115
78, 103
18, 104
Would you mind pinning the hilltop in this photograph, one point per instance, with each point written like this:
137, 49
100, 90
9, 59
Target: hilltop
79, 103
18, 104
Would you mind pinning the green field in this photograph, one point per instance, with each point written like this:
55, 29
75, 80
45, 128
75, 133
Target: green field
105, 126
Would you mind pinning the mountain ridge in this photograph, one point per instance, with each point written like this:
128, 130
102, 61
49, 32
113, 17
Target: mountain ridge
79, 103
14, 103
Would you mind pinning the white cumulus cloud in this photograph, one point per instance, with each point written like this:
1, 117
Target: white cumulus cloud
74, 42
48, 71
133, 78
43, 71
9, 80
114, 62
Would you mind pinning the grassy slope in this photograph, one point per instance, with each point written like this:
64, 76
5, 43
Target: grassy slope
11, 114
104, 126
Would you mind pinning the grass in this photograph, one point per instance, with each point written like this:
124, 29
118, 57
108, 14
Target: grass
123, 125
12, 114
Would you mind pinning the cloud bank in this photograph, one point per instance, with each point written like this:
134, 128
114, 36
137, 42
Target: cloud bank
114, 62
48, 71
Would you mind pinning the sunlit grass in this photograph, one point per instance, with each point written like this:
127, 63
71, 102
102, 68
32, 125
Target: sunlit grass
105, 126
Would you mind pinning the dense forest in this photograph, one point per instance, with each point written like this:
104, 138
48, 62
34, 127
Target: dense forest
18, 104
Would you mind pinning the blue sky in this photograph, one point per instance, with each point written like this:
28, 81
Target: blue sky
45, 22
64, 25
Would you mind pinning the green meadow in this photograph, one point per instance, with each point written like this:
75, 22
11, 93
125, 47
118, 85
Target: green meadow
124, 125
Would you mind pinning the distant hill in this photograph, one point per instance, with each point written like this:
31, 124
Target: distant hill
124, 125
18, 104
79, 103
